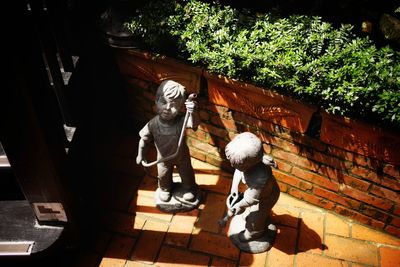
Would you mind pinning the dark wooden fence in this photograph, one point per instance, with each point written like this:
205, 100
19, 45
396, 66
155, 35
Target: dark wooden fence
39, 56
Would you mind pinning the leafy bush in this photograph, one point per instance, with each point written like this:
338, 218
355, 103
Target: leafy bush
298, 55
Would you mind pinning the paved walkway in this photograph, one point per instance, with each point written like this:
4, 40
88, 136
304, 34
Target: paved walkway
141, 235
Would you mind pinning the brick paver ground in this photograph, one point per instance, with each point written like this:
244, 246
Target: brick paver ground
138, 234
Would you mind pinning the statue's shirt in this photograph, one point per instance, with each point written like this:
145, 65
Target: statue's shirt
259, 184
165, 136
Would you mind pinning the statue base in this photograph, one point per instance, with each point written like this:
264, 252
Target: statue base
257, 245
177, 203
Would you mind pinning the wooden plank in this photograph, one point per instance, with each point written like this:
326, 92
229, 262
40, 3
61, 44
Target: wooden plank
18, 223
13, 248
60, 29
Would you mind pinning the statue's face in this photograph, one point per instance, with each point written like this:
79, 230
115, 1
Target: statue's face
168, 109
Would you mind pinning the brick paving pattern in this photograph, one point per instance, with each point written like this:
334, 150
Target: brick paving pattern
131, 231
136, 233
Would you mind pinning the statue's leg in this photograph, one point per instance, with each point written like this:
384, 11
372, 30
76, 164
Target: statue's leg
259, 216
255, 224
165, 180
186, 173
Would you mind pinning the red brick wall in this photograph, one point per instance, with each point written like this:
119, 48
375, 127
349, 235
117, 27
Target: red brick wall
355, 186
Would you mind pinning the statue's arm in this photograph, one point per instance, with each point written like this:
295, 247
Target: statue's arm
237, 177
142, 148
193, 119
250, 197
145, 138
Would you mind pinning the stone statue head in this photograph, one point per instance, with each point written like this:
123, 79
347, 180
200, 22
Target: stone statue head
169, 99
244, 151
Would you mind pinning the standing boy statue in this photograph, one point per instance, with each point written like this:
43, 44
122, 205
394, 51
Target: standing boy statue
166, 131
250, 229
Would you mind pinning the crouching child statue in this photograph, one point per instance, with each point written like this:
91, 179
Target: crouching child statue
167, 131
251, 229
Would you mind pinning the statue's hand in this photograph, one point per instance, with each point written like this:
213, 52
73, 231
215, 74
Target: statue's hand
269, 161
234, 191
238, 209
139, 159
191, 105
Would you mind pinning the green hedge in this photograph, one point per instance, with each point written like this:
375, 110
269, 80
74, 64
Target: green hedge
298, 55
